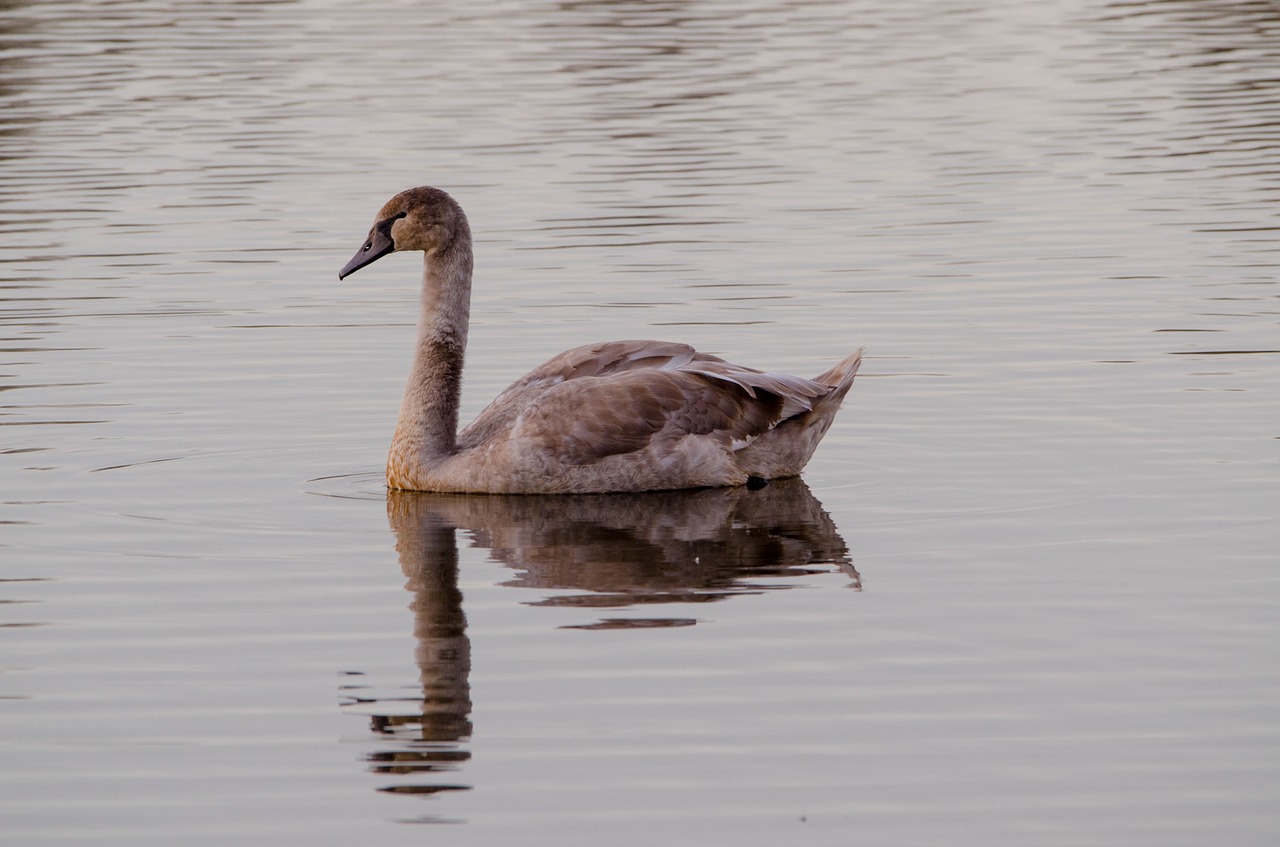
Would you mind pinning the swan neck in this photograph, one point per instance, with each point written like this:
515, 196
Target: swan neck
427, 429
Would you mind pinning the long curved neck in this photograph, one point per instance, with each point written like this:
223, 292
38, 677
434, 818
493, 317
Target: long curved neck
426, 431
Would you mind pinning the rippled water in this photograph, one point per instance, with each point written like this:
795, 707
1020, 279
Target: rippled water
1026, 593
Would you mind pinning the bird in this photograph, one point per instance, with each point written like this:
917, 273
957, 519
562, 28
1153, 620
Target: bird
615, 416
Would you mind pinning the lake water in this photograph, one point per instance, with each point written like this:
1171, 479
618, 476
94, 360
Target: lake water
1025, 594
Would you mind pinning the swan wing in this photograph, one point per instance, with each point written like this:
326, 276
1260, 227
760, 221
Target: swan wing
623, 396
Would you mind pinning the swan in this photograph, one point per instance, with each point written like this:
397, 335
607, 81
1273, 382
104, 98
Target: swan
608, 417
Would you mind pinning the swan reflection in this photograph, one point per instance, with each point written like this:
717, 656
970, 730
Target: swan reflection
428, 736
610, 551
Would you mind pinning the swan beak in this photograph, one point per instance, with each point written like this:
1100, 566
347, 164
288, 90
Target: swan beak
378, 245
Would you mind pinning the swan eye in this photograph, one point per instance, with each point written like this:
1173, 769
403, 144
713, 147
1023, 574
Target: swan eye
368, 245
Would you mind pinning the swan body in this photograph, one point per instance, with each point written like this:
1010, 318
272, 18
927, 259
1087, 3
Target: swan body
614, 416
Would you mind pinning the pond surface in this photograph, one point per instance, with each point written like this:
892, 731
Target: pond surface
1026, 592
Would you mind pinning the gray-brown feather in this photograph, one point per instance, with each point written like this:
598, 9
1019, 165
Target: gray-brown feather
786, 449
619, 397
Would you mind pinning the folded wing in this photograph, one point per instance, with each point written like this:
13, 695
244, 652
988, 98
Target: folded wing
622, 396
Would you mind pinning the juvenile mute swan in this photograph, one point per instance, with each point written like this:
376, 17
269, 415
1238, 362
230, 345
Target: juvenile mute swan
615, 416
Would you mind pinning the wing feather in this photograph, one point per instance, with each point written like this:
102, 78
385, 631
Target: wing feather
600, 400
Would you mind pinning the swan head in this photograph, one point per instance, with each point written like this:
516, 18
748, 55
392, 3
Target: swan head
423, 218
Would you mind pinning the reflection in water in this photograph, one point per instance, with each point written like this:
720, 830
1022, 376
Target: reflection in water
428, 739
621, 549
645, 549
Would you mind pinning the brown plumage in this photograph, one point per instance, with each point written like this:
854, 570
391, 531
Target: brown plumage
615, 416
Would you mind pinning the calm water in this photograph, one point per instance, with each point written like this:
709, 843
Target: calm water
1026, 593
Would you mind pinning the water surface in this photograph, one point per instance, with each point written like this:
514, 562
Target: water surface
1025, 593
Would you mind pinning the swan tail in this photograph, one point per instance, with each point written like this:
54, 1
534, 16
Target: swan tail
784, 450
841, 376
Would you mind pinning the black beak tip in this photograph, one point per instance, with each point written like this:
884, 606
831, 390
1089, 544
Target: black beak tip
358, 261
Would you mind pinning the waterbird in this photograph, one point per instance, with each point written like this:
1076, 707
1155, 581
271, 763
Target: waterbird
608, 417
